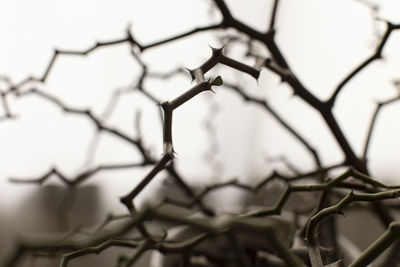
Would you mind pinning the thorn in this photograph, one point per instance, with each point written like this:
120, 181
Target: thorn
216, 51
191, 72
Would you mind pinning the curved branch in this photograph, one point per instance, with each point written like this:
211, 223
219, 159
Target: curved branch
377, 55
180, 36
273, 15
71, 243
373, 121
337, 182
85, 52
338, 208
264, 104
391, 235
97, 122
66, 258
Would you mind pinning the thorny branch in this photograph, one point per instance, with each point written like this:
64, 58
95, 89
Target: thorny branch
352, 186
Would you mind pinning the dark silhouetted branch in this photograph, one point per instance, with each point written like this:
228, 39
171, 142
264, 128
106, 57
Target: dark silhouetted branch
377, 55
372, 123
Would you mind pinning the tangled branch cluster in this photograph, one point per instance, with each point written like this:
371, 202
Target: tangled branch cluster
270, 238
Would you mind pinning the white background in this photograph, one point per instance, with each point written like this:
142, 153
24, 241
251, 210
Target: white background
322, 40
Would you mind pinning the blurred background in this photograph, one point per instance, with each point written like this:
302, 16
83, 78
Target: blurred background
217, 137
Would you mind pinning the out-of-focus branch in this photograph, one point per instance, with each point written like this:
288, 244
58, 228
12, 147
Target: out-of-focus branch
79, 178
368, 190
377, 55
378, 108
283, 69
223, 224
391, 235
97, 249
85, 52
96, 121
339, 207
318, 187
128, 39
180, 36
72, 242
266, 106
273, 15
